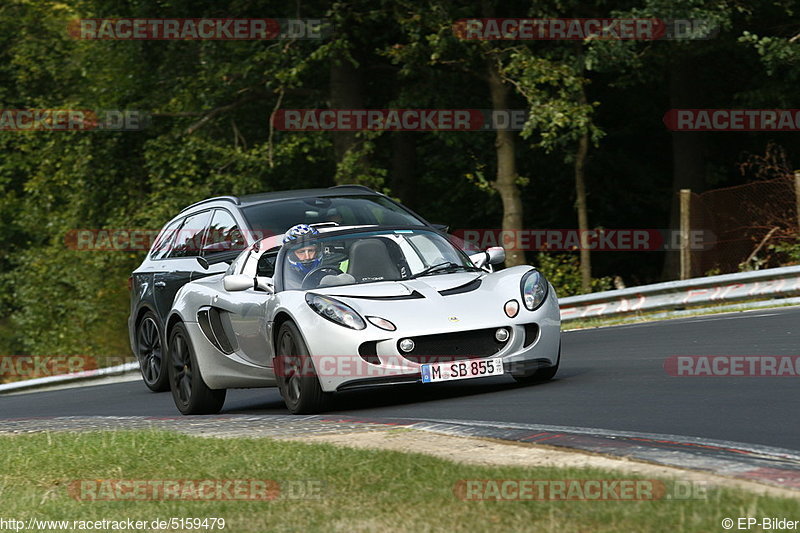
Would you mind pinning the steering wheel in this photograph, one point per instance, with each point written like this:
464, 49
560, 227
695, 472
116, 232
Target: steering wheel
312, 279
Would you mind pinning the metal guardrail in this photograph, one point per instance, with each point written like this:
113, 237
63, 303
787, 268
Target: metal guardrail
67, 378
757, 285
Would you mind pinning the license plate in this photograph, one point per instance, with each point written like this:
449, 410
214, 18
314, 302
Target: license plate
469, 368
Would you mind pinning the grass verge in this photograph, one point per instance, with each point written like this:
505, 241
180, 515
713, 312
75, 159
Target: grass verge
362, 490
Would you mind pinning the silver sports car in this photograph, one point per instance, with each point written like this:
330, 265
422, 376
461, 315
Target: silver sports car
345, 307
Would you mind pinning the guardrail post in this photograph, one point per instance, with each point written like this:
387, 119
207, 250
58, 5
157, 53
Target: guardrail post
686, 258
797, 196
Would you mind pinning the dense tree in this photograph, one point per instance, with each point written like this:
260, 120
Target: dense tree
594, 139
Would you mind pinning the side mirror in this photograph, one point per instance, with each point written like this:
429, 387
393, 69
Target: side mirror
496, 255
493, 256
203, 262
238, 282
265, 284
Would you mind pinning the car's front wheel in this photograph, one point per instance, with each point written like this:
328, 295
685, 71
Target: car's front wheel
297, 378
150, 353
191, 394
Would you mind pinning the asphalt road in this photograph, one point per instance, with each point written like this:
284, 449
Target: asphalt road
611, 378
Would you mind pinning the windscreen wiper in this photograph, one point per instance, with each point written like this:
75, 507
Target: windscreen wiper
447, 265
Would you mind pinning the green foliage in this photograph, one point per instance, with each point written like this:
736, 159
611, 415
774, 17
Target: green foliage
210, 134
62, 301
553, 89
788, 252
563, 271
777, 53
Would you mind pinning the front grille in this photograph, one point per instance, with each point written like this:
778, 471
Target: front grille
444, 347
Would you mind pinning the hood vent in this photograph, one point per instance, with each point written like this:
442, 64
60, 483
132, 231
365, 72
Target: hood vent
467, 287
413, 296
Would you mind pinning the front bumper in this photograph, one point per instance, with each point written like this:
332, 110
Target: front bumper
525, 368
338, 365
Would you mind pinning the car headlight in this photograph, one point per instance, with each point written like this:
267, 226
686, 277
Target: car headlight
335, 311
534, 289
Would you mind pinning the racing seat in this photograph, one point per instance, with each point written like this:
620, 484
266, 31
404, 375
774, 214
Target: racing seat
370, 261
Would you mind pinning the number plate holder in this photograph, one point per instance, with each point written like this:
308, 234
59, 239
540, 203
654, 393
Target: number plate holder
464, 369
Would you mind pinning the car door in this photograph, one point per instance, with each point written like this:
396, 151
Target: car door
180, 262
143, 277
245, 313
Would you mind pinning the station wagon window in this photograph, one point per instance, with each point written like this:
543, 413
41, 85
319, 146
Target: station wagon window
189, 240
164, 242
223, 234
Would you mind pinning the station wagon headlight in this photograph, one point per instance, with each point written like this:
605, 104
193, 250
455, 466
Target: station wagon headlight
335, 311
534, 289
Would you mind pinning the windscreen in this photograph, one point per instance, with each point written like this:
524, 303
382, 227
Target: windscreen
355, 258
273, 218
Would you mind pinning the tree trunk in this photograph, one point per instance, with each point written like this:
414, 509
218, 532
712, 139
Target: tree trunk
506, 182
403, 170
688, 148
346, 93
583, 215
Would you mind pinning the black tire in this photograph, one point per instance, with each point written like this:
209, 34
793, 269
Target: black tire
151, 354
542, 374
191, 394
297, 378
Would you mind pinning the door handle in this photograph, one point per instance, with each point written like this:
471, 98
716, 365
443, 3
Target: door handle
160, 284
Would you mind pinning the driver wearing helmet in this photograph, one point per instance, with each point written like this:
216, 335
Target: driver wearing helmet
305, 258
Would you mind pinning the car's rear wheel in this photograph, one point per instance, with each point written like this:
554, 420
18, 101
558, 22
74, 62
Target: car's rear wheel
542, 374
150, 353
297, 378
191, 394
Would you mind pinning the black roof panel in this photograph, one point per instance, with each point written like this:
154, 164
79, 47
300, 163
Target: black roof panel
257, 198
341, 190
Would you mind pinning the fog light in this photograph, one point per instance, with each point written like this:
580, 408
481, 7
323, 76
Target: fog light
501, 335
511, 308
406, 345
